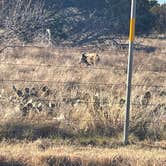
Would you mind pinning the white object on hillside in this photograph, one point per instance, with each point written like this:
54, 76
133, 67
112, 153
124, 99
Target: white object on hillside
49, 37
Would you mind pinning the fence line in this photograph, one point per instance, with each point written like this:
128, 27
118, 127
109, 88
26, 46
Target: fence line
79, 67
88, 102
62, 66
58, 82
83, 48
68, 121
22, 46
79, 83
59, 48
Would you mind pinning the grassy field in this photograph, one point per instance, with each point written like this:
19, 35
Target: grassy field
54, 111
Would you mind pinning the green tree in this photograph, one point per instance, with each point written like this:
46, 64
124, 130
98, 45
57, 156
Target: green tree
153, 3
145, 18
160, 15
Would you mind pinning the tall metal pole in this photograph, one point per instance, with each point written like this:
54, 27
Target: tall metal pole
129, 72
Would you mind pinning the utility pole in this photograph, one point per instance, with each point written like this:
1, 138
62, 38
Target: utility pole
129, 71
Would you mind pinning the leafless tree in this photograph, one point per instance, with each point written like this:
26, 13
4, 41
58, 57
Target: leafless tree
23, 19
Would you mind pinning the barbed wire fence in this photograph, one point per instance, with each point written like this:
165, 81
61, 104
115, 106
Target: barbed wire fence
85, 84
32, 102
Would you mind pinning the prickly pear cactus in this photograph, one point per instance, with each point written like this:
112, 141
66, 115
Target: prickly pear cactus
33, 100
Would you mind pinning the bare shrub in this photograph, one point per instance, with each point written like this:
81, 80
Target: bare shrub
24, 20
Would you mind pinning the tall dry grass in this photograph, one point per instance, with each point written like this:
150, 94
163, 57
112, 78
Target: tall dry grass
80, 108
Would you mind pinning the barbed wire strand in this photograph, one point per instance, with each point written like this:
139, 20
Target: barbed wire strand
79, 83
62, 66
69, 47
58, 82
74, 101
68, 121
115, 68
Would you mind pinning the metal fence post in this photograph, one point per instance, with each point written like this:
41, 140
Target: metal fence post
129, 71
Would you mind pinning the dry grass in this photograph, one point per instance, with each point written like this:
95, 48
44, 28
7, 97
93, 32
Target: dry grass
33, 154
82, 109
106, 114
